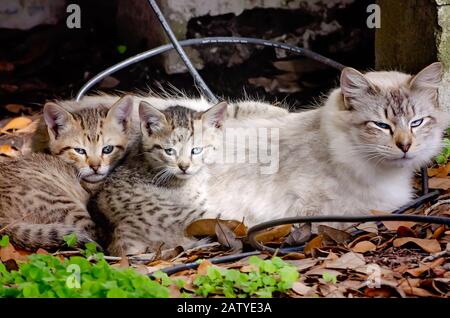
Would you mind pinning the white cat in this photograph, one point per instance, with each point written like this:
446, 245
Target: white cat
356, 153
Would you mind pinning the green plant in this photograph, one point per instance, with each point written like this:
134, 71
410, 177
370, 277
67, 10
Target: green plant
4, 241
268, 276
329, 278
445, 154
52, 277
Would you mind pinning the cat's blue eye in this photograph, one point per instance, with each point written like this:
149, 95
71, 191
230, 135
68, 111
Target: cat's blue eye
80, 151
107, 149
382, 125
170, 151
196, 150
417, 123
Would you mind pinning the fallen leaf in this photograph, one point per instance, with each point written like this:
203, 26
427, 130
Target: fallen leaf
16, 108
363, 247
302, 289
203, 267
403, 231
416, 272
439, 232
227, 238
299, 235
430, 246
393, 225
109, 82
440, 172
9, 252
370, 227
320, 271
439, 183
349, 260
273, 234
303, 264
337, 236
16, 123
416, 291
316, 242
382, 292
207, 227
9, 151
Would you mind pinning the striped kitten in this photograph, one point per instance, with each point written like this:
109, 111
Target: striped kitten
161, 189
44, 197
93, 139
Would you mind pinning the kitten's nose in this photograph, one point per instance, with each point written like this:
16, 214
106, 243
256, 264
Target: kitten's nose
404, 146
95, 168
183, 167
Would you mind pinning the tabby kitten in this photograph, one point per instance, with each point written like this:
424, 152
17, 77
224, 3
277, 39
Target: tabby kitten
44, 197
160, 189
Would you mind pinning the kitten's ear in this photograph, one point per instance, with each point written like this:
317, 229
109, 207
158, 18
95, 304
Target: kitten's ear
120, 112
215, 116
429, 78
152, 119
56, 118
354, 84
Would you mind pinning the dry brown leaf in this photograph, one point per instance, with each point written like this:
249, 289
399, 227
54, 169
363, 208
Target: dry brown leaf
393, 225
299, 235
439, 183
302, 289
9, 151
9, 252
248, 268
320, 271
364, 246
403, 231
439, 232
316, 242
416, 272
430, 246
416, 291
370, 227
227, 238
273, 234
303, 264
336, 235
207, 227
440, 172
203, 267
16, 123
349, 260
383, 292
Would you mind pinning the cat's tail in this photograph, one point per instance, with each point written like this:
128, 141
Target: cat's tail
31, 236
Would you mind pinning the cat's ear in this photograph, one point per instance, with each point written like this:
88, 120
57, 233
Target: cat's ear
215, 116
152, 119
354, 85
121, 111
428, 79
56, 118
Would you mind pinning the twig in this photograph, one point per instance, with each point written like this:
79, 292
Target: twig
431, 208
214, 244
438, 255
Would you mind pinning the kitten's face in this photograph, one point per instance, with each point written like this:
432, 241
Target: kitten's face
178, 141
394, 118
93, 140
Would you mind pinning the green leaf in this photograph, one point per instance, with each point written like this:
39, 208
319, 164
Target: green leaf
116, 293
329, 278
71, 240
4, 241
121, 49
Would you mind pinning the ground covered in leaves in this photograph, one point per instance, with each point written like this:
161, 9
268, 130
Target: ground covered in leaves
390, 259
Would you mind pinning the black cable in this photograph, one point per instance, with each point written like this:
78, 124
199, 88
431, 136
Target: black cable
219, 40
198, 80
252, 232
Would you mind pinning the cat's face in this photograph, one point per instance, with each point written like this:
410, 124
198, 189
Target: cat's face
393, 118
179, 141
93, 139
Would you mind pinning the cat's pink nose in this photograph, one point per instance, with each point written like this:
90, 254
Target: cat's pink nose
183, 167
404, 146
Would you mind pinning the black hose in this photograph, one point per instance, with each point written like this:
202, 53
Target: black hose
198, 80
219, 40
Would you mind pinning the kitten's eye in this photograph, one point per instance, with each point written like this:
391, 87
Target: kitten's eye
107, 149
80, 151
382, 125
196, 150
170, 151
417, 123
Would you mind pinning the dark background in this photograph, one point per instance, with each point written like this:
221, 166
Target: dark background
53, 61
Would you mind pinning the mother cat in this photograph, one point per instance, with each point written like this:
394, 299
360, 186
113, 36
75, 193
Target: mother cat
357, 153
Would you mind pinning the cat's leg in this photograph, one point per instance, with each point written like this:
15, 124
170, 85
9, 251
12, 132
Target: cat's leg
254, 109
125, 241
